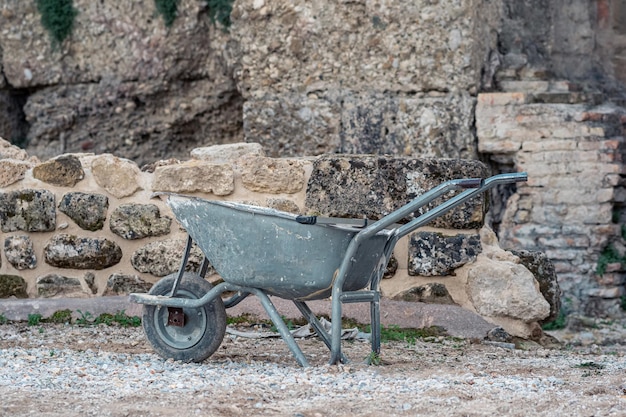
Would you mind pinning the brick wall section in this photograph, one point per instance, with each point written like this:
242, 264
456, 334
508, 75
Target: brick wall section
570, 207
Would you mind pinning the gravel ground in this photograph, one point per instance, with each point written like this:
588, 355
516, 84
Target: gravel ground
69, 370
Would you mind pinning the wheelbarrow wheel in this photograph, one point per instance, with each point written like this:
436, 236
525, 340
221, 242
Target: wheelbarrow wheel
191, 336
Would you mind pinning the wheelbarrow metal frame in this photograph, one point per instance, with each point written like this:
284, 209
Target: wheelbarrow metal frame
387, 227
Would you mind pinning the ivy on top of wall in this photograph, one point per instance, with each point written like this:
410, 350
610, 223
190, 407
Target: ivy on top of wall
57, 16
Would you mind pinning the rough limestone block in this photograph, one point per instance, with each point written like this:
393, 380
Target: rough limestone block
9, 151
28, 210
12, 170
293, 124
195, 176
116, 175
63, 171
87, 210
69, 251
353, 186
19, 252
137, 221
431, 127
498, 285
431, 293
544, 272
55, 285
433, 254
229, 153
122, 284
12, 286
163, 257
272, 175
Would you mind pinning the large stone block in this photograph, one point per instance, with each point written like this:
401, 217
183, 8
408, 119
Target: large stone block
374, 186
392, 45
429, 126
293, 124
272, 175
28, 210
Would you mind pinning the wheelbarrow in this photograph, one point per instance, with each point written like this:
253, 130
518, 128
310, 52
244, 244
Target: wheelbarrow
266, 252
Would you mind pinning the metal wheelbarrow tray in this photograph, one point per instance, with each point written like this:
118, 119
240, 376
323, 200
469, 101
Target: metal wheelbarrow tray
264, 252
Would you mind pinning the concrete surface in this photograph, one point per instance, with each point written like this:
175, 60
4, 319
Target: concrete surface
457, 321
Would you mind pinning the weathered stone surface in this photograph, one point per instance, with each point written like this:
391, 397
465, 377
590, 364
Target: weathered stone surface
64, 171
163, 257
428, 127
9, 151
12, 286
374, 186
228, 153
433, 254
194, 176
140, 121
69, 251
406, 46
116, 175
87, 210
294, 124
505, 289
27, 210
543, 270
12, 170
145, 91
272, 175
432, 293
19, 252
121, 284
283, 204
54, 285
136, 221
90, 279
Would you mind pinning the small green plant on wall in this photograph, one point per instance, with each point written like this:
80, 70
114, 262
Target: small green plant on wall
57, 16
219, 11
168, 9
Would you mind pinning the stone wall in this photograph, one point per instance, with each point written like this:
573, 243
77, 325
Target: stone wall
84, 225
572, 207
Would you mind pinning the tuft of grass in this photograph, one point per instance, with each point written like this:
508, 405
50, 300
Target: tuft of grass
120, 319
373, 359
557, 324
245, 318
590, 365
34, 319
622, 302
57, 17
3, 319
608, 256
60, 317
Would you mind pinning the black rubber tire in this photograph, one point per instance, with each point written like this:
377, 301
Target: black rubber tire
204, 326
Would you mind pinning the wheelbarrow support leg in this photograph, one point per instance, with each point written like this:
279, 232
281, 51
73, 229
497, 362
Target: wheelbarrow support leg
317, 326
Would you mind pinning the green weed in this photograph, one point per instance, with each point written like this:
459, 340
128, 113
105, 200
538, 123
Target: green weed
3, 319
34, 319
60, 317
373, 359
557, 324
219, 11
120, 318
168, 9
57, 16
608, 256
